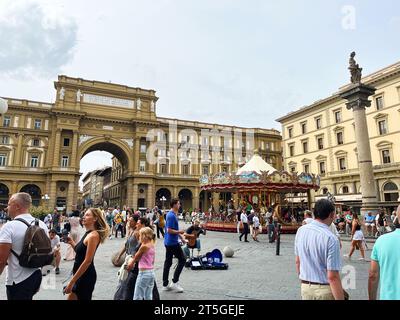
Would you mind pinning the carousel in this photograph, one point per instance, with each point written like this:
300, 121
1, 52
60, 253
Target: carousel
259, 186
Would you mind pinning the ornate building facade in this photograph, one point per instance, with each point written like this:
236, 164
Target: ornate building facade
41, 145
320, 138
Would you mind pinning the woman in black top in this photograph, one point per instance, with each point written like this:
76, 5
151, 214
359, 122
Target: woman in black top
82, 284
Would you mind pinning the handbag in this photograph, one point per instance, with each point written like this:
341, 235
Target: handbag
123, 272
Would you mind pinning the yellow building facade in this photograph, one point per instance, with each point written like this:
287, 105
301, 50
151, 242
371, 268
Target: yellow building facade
41, 145
320, 138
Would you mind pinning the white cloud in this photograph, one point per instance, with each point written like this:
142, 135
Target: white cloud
36, 39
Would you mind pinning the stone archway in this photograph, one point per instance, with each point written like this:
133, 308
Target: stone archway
166, 193
34, 192
120, 150
4, 195
186, 199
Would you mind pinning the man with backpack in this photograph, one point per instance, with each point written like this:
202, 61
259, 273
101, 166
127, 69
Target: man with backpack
25, 246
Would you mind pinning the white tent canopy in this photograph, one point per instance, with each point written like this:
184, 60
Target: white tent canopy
257, 164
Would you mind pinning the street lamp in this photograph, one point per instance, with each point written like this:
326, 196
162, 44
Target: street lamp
163, 199
3, 106
46, 198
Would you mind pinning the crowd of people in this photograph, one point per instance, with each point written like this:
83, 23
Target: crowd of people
317, 248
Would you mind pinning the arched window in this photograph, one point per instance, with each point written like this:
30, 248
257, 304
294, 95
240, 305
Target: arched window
390, 192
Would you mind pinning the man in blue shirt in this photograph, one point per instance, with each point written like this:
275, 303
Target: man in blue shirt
385, 266
173, 248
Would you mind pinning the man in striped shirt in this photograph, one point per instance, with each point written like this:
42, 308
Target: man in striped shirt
318, 259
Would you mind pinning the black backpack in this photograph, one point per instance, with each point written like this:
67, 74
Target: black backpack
36, 250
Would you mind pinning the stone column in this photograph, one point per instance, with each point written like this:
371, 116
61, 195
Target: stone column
52, 194
196, 197
134, 196
74, 150
14, 187
175, 192
310, 199
18, 155
357, 97
70, 196
56, 159
150, 196
136, 159
76, 190
129, 193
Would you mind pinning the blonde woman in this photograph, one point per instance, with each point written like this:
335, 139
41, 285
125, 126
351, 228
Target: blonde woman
84, 278
145, 256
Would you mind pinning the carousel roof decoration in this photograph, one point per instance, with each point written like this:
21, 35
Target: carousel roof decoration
257, 174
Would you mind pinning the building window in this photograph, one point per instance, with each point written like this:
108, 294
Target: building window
345, 189
291, 151
163, 168
338, 116
379, 103
290, 132
293, 169
390, 191
185, 169
342, 163
36, 143
142, 166
224, 169
305, 147
64, 161
34, 161
205, 170
339, 137
318, 123
324, 191
382, 127
38, 124
322, 168
304, 128
320, 142
143, 148
3, 159
66, 142
386, 156
307, 168
6, 121
5, 140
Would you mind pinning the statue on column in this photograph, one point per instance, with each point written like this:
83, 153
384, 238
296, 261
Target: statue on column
355, 70
152, 106
78, 95
62, 93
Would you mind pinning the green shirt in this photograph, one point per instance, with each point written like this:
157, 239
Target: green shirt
386, 252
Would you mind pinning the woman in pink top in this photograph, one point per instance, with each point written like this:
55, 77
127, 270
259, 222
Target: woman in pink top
74, 221
145, 256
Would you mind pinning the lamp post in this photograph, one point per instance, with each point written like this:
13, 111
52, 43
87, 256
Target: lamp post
3, 106
46, 198
163, 199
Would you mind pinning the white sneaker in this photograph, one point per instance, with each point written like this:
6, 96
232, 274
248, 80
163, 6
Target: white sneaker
176, 287
346, 256
167, 288
361, 259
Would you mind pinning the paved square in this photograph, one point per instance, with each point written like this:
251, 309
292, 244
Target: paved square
255, 272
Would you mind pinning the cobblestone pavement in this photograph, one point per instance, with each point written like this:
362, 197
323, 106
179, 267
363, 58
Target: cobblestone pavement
255, 272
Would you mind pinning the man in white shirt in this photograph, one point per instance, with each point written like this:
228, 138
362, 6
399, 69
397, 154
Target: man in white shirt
245, 222
21, 283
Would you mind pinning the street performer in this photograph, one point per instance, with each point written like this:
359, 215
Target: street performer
192, 236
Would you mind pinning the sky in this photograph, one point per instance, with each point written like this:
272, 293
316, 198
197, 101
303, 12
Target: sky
233, 62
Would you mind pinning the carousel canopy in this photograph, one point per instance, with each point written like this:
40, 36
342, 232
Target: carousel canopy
256, 164
257, 175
